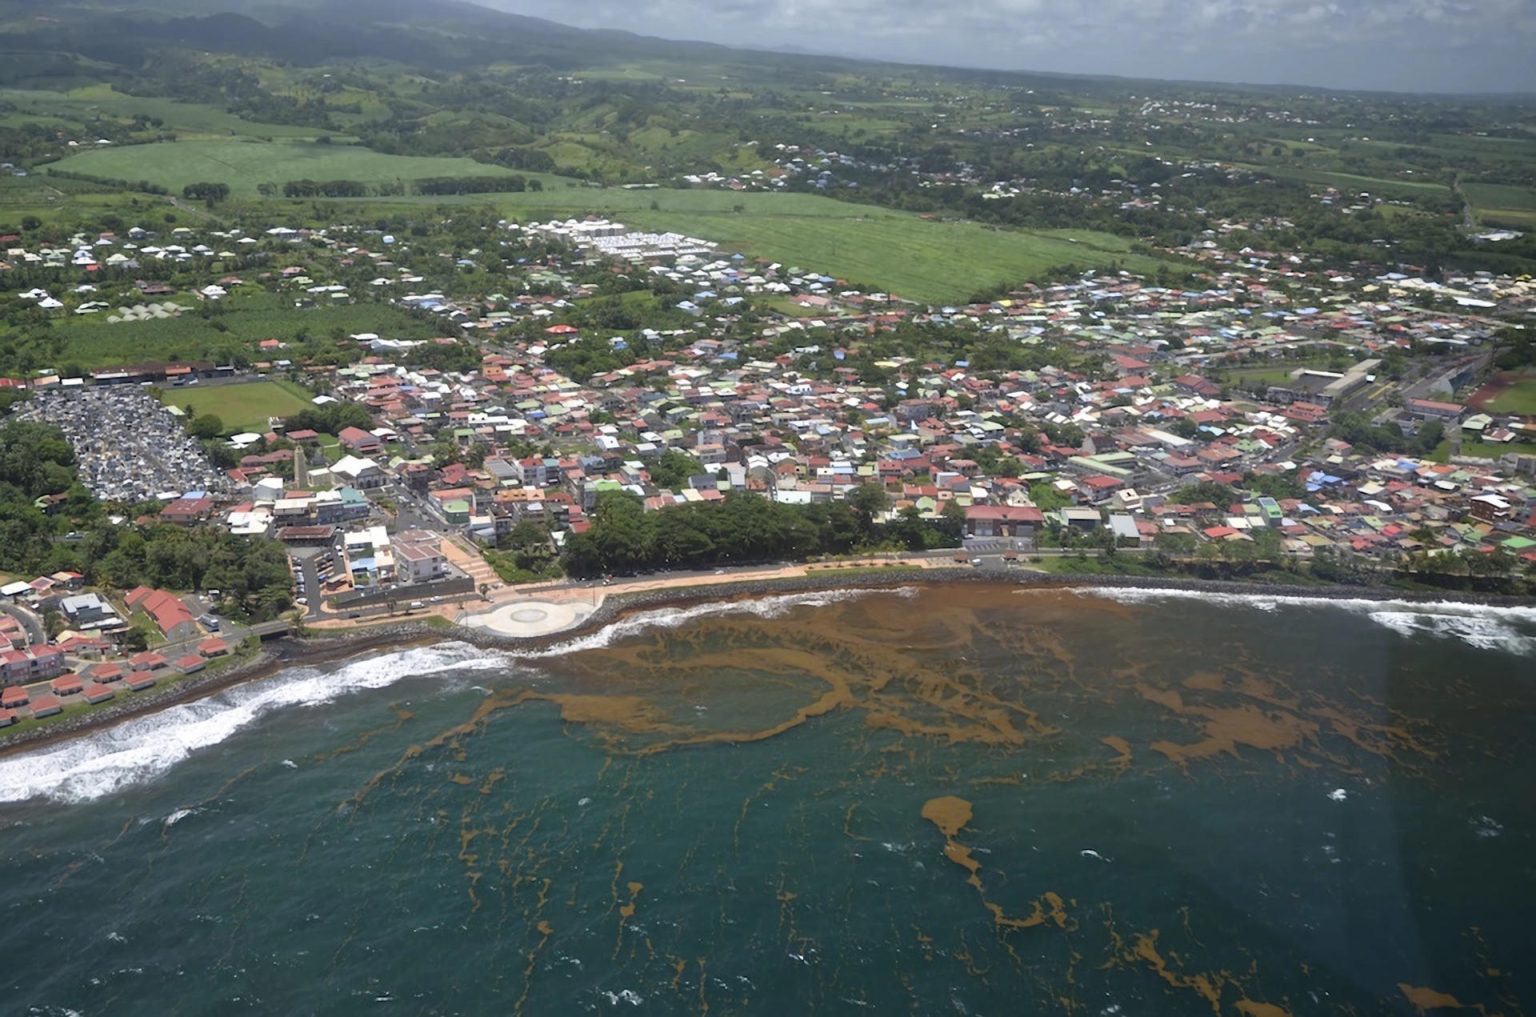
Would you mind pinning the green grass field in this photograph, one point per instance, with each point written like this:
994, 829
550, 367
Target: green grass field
1480, 450
1352, 183
1267, 375
1503, 203
241, 407
933, 262
1277, 373
881, 248
1518, 398
244, 165
92, 342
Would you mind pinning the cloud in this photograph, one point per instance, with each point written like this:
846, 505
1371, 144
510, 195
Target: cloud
1409, 45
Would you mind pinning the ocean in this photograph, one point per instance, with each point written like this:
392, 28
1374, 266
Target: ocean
963, 799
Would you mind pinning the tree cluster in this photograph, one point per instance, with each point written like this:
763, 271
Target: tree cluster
212, 193
1358, 430
325, 189
476, 185
330, 418
743, 529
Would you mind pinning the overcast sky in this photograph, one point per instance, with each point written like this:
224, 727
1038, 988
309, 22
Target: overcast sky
1405, 45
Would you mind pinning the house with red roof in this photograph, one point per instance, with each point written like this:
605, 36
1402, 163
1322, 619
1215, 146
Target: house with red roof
363, 443
104, 673
46, 706
68, 685
1014, 521
189, 511
94, 693
165, 609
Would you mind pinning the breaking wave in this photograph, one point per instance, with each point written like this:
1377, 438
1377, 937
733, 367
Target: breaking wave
142, 749
671, 618
1487, 627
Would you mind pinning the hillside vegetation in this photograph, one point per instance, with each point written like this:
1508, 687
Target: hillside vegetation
427, 105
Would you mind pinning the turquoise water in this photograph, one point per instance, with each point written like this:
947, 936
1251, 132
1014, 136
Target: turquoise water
952, 800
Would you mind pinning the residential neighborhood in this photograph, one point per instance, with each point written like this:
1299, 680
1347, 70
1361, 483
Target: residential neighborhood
1272, 411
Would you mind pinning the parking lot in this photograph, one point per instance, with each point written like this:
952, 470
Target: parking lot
312, 568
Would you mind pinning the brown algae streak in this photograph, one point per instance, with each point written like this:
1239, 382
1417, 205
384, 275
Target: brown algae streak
951, 815
1424, 999
1252, 1008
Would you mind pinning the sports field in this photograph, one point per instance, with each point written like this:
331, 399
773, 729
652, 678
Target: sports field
1519, 397
1481, 450
242, 407
245, 165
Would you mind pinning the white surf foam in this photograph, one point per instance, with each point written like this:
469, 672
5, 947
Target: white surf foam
629, 996
671, 618
1488, 627
144, 748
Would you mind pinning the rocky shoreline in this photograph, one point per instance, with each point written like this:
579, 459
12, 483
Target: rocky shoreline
292, 652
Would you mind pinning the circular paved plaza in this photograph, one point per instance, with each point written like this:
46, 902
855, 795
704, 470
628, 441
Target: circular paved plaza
531, 618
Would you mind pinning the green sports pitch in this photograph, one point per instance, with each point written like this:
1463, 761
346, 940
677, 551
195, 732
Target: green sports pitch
242, 407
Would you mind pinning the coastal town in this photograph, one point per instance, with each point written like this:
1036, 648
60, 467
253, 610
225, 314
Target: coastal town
1253, 407
529, 508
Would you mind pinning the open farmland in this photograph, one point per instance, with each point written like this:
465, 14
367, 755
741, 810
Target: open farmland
565, 197
82, 106
245, 165
241, 407
1354, 183
1504, 203
933, 262
880, 248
